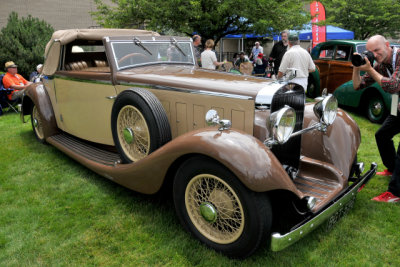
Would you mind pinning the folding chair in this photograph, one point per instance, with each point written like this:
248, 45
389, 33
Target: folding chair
226, 67
246, 68
4, 101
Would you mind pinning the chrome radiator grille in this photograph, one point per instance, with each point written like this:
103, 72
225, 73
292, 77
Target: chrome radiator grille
293, 96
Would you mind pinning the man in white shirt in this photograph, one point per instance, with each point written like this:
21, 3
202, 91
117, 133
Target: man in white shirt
298, 58
257, 48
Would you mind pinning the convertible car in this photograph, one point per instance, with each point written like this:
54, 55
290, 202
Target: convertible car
247, 162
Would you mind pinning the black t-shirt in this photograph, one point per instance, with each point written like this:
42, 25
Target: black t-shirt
277, 53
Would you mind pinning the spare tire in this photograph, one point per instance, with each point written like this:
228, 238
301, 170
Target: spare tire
139, 124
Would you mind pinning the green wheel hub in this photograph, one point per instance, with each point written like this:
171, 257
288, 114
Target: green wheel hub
208, 211
128, 135
376, 108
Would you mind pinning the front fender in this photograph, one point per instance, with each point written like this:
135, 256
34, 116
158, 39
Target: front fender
248, 158
37, 95
337, 146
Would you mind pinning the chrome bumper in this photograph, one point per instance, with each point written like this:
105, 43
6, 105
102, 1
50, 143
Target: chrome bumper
279, 242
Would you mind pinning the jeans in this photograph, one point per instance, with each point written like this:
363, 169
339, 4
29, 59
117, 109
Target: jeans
384, 140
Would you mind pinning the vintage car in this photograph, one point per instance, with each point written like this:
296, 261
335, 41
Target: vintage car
334, 72
247, 161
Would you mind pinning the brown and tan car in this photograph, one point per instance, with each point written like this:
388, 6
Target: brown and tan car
249, 162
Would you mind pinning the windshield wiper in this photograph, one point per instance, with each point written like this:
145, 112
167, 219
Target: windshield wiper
139, 43
175, 43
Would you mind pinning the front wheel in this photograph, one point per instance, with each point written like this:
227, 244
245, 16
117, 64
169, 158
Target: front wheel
376, 110
218, 209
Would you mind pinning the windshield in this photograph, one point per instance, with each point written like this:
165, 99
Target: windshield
129, 54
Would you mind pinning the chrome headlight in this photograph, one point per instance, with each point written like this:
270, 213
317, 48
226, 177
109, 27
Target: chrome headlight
326, 110
281, 124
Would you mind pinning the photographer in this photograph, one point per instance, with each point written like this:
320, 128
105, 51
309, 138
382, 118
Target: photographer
386, 73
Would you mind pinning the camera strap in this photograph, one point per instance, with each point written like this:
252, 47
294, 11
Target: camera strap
395, 96
393, 62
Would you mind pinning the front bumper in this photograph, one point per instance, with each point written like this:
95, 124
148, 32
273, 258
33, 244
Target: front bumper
279, 242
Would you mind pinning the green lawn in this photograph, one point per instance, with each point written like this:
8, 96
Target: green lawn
55, 212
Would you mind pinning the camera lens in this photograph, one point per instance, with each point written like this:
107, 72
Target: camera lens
357, 60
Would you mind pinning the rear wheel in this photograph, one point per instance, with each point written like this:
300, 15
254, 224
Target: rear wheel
219, 210
37, 124
376, 110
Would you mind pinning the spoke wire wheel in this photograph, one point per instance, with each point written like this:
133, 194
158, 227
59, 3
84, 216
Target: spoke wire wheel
37, 123
226, 222
133, 133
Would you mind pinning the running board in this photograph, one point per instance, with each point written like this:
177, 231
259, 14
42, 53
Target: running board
85, 149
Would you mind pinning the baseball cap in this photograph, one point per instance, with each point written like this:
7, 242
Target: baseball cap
10, 64
293, 37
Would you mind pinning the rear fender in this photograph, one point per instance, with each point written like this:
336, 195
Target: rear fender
37, 95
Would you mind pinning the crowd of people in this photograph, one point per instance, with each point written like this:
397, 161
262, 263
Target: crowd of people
275, 66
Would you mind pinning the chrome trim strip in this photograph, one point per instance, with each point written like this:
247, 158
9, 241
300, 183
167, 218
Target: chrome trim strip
87, 80
201, 92
279, 242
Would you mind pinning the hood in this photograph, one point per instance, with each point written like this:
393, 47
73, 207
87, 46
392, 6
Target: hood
194, 78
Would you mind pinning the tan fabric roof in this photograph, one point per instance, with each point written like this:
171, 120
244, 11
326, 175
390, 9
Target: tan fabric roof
67, 36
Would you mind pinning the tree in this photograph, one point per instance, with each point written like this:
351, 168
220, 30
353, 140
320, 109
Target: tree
23, 41
365, 18
212, 19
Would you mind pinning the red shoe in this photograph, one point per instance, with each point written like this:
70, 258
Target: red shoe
386, 197
385, 173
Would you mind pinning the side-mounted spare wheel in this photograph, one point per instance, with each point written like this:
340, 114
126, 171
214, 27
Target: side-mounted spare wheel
139, 124
218, 209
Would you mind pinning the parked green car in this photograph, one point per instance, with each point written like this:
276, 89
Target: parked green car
334, 72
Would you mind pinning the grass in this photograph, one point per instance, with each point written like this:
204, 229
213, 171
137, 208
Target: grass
55, 212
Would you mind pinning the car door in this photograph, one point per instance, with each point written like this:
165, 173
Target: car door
325, 57
341, 69
85, 96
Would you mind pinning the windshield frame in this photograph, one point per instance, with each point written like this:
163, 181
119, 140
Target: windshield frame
152, 40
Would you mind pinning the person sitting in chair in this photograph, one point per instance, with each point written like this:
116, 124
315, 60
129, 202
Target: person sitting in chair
14, 81
260, 64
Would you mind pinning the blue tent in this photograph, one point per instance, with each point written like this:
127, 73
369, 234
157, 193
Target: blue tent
332, 33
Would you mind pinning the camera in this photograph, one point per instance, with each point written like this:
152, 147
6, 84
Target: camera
358, 60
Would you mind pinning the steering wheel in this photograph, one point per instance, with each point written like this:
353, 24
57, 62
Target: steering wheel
134, 58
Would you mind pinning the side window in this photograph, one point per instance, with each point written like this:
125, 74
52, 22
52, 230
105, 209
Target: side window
326, 52
343, 52
86, 57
